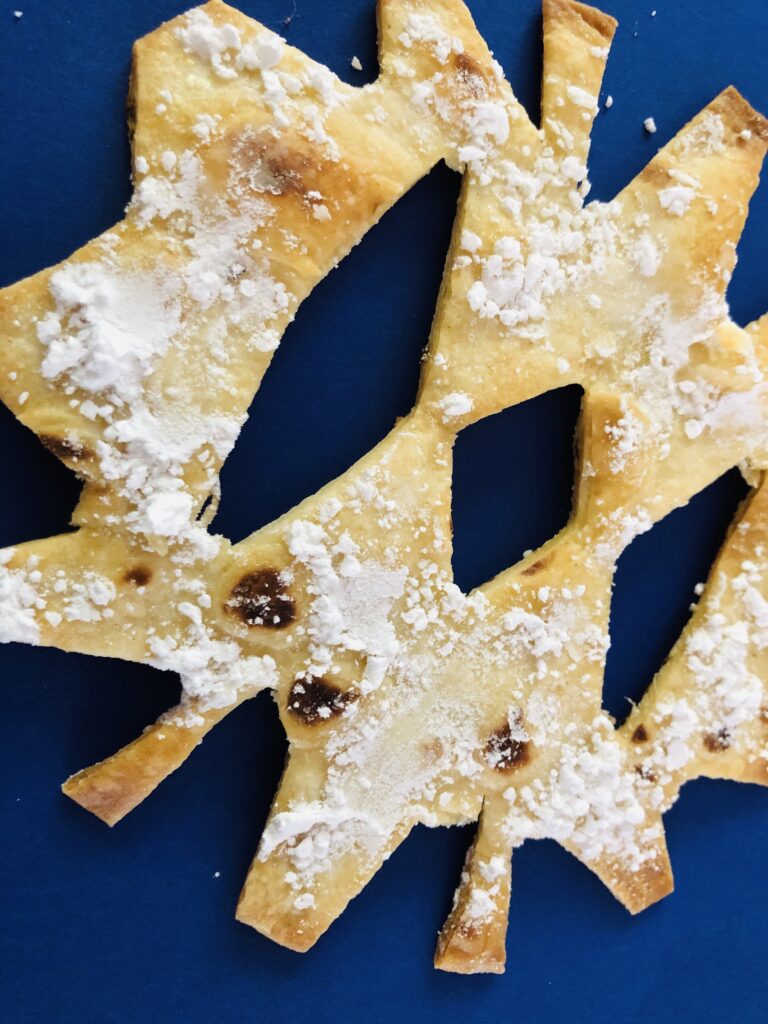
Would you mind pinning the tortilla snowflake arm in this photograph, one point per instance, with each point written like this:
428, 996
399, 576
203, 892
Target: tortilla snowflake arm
256, 170
705, 714
706, 711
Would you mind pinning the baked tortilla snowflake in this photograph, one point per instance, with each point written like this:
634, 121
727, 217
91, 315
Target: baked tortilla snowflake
405, 700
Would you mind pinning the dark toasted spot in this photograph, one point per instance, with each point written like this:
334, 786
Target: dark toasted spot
640, 735
433, 750
130, 115
130, 101
646, 773
468, 70
603, 23
66, 449
505, 751
261, 598
140, 575
655, 174
717, 741
764, 714
538, 565
313, 699
266, 164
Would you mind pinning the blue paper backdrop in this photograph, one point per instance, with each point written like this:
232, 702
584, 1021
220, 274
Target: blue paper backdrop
134, 925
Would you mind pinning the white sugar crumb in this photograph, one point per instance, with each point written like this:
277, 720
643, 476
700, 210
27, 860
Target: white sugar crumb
355, 62
19, 600
354, 599
455, 405
423, 28
18, 14
87, 600
209, 42
225, 51
487, 125
650, 125
108, 329
204, 127
646, 255
312, 833
693, 428
469, 241
581, 97
480, 906
213, 672
608, 102
676, 199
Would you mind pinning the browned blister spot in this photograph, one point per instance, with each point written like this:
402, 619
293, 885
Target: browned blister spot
265, 164
640, 735
313, 699
261, 598
656, 173
130, 100
432, 749
506, 750
646, 773
717, 741
539, 564
470, 74
139, 575
65, 448
763, 714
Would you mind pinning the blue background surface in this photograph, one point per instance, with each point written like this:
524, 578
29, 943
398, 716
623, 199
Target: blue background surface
131, 925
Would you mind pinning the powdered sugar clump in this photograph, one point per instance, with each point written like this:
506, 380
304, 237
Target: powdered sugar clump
455, 405
108, 329
18, 601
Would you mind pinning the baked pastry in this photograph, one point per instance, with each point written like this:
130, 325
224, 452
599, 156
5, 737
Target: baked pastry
404, 700
136, 359
492, 701
497, 341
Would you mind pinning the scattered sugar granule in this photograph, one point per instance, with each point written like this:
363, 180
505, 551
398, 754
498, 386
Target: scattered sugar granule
456, 404
693, 428
676, 199
650, 125
580, 97
470, 242
355, 62
608, 102
18, 14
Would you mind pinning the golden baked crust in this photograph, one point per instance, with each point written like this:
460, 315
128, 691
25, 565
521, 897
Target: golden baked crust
404, 700
136, 359
256, 171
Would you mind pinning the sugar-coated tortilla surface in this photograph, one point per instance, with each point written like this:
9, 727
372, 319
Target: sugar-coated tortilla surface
405, 701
